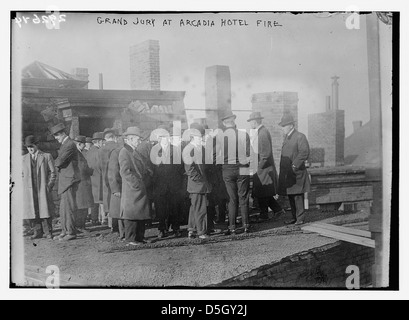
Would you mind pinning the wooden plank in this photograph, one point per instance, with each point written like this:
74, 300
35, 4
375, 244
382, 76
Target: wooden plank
341, 236
355, 232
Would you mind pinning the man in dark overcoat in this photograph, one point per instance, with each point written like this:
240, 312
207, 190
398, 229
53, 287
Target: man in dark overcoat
134, 199
294, 180
68, 179
110, 137
265, 178
167, 182
94, 162
84, 197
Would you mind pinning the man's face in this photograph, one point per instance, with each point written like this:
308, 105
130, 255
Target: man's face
59, 137
134, 141
80, 146
164, 141
253, 124
32, 149
88, 145
286, 129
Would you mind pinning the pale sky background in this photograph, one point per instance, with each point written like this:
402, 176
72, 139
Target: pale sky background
300, 56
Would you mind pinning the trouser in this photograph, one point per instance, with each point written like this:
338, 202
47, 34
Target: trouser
95, 212
198, 213
102, 215
134, 230
68, 208
81, 218
211, 211
238, 188
265, 203
168, 210
121, 228
297, 206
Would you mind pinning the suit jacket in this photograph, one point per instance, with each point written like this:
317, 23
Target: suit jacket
84, 197
104, 155
46, 175
295, 151
134, 198
96, 178
197, 171
265, 180
67, 165
115, 184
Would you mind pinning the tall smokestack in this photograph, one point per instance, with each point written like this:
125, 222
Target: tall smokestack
101, 82
335, 96
327, 103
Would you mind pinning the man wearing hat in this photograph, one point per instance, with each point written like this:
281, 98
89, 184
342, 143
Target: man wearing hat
93, 159
294, 180
235, 147
88, 144
265, 179
198, 185
168, 182
134, 198
110, 137
39, 176
84, 197
68, 179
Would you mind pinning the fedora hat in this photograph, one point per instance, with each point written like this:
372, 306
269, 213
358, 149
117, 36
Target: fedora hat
255, 116
57, 128
111, 130
195, 128
229, 115
286, 120
88, 140
81, 139
30, 141
134, 131
98, 136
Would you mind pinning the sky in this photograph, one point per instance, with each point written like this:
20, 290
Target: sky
301, 55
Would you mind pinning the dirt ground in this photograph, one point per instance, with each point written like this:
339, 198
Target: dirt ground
97, 259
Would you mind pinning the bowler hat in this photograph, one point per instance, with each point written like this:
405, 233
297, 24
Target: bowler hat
30, 141
195, 128
111, 130
88, 140
134, 131
98, 136
255, 116
228, 115
81, 139
57, 128
286, 120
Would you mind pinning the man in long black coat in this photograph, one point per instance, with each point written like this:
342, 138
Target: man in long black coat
265, 179
68, 179
294, 180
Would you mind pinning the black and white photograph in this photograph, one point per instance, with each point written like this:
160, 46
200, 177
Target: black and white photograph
204, 150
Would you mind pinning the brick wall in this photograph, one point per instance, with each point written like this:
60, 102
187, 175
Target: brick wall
217, 93
326, 135
145, 66
319, 267
272, 106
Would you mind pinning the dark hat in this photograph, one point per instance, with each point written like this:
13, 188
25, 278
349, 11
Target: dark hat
111, 130
57, 128
134, 131
286, 120
98, 136
81, 139
255, 116
195, 127
228, 115
30, 141
88, 140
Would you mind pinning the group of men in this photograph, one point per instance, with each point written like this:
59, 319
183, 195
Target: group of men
124, 181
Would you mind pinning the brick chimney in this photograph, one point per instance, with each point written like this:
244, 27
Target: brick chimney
335, 92
357, 125
81, 74
145, 67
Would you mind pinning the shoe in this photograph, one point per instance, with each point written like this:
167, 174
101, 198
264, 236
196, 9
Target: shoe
62, 235
229, 232
161, 234
47, 236
247, 230
190, 235
290, 222
133, 244
36, 236
204, 236
68, 237
299, 223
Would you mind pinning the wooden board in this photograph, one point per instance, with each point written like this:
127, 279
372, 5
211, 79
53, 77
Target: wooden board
341, 236
352, 231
